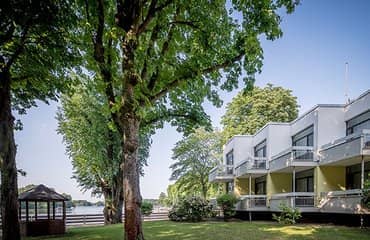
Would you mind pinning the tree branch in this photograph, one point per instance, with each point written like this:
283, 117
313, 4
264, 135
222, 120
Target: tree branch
18, 50
192, 73
151, 14
164, 50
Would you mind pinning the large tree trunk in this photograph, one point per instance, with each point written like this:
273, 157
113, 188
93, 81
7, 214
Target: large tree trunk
132, 197
9, 186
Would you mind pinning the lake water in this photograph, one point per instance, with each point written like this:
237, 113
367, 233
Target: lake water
86, 210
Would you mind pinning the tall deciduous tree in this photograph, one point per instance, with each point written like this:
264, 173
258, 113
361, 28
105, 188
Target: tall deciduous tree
251, 110
160, 59
195, 156
94, 146
35, 51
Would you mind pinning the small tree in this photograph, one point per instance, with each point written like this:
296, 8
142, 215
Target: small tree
227, 204
195, 156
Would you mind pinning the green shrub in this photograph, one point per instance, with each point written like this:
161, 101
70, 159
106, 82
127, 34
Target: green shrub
227, 204
146, 208
192, 209
288, 215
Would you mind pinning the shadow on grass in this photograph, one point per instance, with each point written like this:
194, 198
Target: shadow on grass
166, 230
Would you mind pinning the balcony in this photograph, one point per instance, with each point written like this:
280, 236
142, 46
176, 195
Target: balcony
221, 173
296, 156
346, 149
341, 202
305, 201
252, 203
252, 165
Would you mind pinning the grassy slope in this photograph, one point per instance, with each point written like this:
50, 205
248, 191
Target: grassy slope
165, 230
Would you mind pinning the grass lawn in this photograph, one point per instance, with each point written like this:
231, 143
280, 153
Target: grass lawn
166, 230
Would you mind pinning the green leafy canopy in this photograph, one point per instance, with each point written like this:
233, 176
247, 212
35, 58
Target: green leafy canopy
251, 110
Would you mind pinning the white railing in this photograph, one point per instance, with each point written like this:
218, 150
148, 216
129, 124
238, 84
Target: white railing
250, 202
346, 147
292, 199
221, 172
292, 155
251, 163
348, 201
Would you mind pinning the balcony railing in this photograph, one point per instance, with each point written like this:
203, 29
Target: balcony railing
292, 199
250, 202
250, 164
221, 173
296, 155
347, 147
348, 201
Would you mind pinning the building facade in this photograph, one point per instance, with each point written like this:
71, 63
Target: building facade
317, 163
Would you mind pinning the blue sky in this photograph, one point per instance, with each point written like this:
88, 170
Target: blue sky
319, 37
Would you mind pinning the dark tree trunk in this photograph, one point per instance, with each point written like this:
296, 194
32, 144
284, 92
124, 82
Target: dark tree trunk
9, 186
117, 200
113, 202
132, 196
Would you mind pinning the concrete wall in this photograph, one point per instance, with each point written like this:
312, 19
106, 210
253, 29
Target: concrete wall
311, 118
331, 125
358, 106
329, 178
241, 146
278, 183
241, 186
279, 139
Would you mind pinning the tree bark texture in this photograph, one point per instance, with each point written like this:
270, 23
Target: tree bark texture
132, 196
9, 186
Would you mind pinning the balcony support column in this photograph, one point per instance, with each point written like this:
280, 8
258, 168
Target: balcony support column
362, 171
250, 184
293, 190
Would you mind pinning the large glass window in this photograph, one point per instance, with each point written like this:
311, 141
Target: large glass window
358, 123
304, 181
230, 162
260, 149
230, 158
353, 175
260, 185
230, 187
304, 138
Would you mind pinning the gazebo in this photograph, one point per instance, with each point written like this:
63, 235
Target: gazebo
36, 223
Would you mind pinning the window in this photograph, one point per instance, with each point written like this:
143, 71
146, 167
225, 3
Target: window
304, 181
230, 187
358, 123
260, 149
353, 175
230, 162
230, 158
304, 138
260, 186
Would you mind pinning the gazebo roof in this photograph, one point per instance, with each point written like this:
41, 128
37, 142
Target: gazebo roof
41, 193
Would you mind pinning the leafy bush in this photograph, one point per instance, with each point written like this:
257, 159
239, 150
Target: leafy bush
192, 209
227, 204
146, 208
366, 194
288, 215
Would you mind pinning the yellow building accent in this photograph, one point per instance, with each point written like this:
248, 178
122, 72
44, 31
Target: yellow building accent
278, 183
241, 186
329, 178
